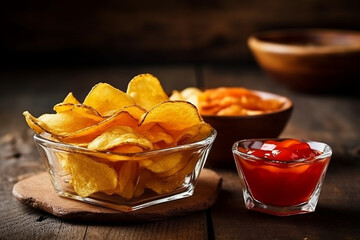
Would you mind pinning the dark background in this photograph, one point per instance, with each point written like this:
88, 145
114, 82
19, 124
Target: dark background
73, 33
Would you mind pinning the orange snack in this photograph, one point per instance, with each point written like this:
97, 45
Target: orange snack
229, 101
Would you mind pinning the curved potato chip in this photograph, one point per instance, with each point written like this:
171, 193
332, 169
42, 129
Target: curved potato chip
172, 115
161, 185
70, 98
128, 178
119, 135
59, 123
63, 107
103, 98
146, 90
190, 94
33, 122
66, 103
124, 117
89, 176
164, 163
158, 134
81, 109
126, 148
194, 133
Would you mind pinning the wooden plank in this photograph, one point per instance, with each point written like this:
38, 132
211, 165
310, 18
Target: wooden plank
128, 31
188, 227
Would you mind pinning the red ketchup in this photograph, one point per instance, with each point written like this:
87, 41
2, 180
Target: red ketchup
286, 174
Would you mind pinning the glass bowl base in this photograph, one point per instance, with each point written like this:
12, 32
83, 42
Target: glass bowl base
302, 208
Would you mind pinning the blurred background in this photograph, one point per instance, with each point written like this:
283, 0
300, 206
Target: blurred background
46, 33
49, 48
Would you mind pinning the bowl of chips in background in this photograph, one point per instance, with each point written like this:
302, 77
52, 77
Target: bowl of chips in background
123, 150
238, 113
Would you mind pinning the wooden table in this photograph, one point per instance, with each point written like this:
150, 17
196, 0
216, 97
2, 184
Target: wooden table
331, 118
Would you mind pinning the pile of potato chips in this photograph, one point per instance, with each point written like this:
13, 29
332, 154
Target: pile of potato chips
227, 101
140, 120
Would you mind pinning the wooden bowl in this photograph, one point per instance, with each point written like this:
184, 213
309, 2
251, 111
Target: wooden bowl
310, 59
234, 128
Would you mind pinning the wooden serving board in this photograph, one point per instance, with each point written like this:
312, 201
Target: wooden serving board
37, 191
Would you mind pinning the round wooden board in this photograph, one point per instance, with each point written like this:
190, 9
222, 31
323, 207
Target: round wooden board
37, 191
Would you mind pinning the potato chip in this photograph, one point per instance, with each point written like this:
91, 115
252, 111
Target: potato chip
126, 148
104, 98
190, 94
67, 104
33, 122
172, 115
157, 134
60, 123
146, 90
192, 134
165, 162
119, 135
163, 185
128, 178
80, 109
124, 117
70, 98
89, 176
63, 160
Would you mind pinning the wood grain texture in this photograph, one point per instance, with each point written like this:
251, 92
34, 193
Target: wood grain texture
213, 30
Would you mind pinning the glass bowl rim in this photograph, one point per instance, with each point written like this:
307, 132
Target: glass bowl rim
39, 139
325, 154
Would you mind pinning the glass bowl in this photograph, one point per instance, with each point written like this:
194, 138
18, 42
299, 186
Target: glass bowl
140, 179
280, 187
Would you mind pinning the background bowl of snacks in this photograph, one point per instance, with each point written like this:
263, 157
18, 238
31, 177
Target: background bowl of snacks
238, 113
123, 150
309, 60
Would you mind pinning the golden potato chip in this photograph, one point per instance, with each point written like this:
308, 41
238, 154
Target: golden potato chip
162, 185
126, 148
89, 176
63, 107
124, 117
190, 94
70, 98
63, 160
172, 115
104, 98
33, 122
119, 135
192, 134
59, 123
158, 134
128, 178
163, 163
146, 90
80, 109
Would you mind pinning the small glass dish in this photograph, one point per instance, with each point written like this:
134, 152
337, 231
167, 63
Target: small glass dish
151, 177
277, 187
